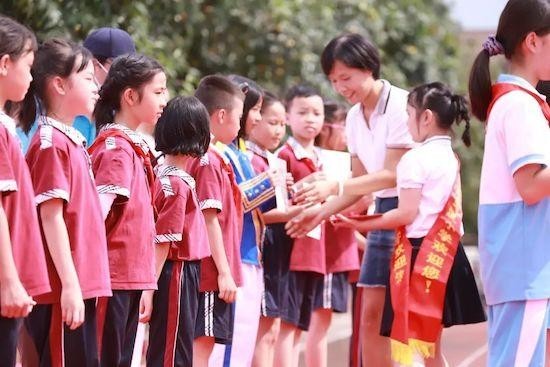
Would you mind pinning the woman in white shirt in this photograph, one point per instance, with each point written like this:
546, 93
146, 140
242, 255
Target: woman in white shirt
377, 137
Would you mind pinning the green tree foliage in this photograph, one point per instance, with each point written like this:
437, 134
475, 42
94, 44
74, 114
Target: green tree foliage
275, 42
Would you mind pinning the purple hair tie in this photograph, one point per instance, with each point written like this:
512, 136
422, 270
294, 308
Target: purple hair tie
493, 46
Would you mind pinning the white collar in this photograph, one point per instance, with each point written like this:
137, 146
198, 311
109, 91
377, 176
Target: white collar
256, 149
67, 130
442, 139
165, 170
301, 153
134, 136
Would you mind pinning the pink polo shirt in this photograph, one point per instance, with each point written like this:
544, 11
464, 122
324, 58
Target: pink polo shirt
129, 225
180, 222
17, 197
214, 191
60, 169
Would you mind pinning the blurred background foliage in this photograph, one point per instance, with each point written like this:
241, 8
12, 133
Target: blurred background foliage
275, 42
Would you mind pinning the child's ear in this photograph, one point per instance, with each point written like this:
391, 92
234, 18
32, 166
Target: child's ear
59, 85
130, 97
4, 64
220, 114
427, 117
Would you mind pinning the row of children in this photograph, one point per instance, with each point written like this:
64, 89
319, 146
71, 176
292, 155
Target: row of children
100, 214
224, 173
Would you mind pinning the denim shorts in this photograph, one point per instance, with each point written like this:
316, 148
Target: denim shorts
375, 267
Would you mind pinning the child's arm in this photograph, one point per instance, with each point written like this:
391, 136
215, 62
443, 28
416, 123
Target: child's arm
261, 188
279, 216
226, 284
15, 300
146, 302
57, 239
533, 183
405, 213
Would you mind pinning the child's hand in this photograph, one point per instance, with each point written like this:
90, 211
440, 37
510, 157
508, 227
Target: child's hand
15, 300
72, 307
277, 177
315, 192
342, 221
289, 181
146, 306
227, 287
303, 223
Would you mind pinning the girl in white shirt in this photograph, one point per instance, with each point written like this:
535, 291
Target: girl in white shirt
429, 266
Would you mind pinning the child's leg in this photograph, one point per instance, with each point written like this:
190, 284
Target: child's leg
316, 338
172, 324
247, 316
268, 333
375, 349
9, 330
214, 325
202, 348
296, 348
517, 333
117, 326
37, 325
284, 348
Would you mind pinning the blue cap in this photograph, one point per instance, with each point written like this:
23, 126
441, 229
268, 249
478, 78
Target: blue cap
109, 43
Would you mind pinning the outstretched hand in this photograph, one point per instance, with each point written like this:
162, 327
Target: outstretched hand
303, 223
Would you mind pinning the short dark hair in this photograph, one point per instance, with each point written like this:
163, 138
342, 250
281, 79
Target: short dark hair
449, 108
299, 91
217, 92
253, 93
183, 128
517, 20
354, 50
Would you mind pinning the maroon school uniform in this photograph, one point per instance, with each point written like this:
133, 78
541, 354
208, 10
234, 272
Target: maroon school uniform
180, 221
130, 225
215, 190
257, 156
308, 254
60, 169
17, 197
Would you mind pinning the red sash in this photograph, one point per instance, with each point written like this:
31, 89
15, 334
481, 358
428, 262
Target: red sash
418, 297
500, 89
146, 158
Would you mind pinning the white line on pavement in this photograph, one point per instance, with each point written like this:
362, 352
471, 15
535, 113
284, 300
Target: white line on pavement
467, 362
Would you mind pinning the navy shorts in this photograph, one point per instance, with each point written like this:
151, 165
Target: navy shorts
298, 302
55, 344
9, 331
172, 325
332, 292
375, 267
214, 318
276, 262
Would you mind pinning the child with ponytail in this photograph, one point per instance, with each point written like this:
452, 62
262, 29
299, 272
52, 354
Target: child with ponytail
134, 93
514, 203
431, 282
69, 212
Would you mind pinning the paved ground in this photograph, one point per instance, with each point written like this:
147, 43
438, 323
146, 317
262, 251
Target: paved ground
463, 346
